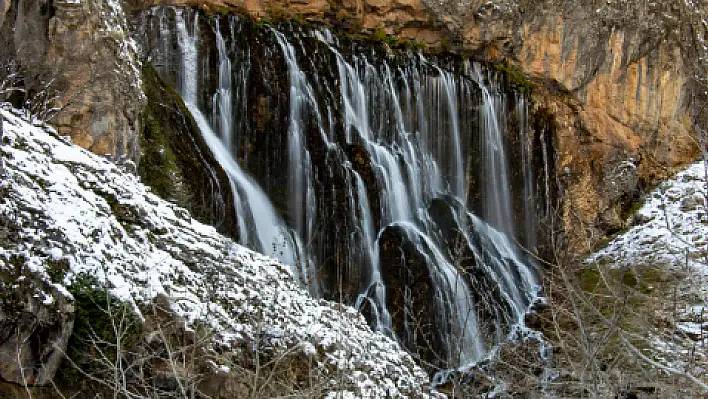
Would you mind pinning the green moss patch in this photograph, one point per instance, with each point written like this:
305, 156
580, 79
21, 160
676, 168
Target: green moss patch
380, 35
514, 77
105, 329
158, 165
176, 162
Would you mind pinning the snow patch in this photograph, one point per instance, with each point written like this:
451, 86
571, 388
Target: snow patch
671, 228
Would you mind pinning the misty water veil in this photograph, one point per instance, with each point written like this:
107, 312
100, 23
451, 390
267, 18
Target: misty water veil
384, 178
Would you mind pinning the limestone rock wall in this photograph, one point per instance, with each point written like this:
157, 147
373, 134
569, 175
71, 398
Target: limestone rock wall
629, 111
80, 50
615, 77
406, 19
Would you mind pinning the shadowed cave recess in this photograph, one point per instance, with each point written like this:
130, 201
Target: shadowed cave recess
414, 187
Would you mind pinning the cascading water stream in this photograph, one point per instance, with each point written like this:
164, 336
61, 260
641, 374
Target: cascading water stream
529, 196
498, 209
404, 196
458, 179
503, 262
380, 139
259, 225
300, 184
465, 344
223, 97
374, 290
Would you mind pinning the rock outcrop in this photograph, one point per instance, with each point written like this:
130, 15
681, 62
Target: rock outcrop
80, 53
34, 330
630, 124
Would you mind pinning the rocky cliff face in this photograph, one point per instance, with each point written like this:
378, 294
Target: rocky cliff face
80, 51
612, 78
629, 124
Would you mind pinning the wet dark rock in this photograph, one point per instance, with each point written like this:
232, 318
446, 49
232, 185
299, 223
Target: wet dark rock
34, 332
532, 321
176, 161
362, 164
640, 218
410, 295
692, 202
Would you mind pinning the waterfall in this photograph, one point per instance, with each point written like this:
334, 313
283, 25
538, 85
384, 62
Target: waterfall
464, 344
259, 225
370, 145
223, 96
498, 209
529, 197
374, 290
454, 133
300, 185
406, 184
188, 47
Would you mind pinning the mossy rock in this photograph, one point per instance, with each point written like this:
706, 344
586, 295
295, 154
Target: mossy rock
514, 77
176, 161
100, 322
380, 35
36, 322
632, 288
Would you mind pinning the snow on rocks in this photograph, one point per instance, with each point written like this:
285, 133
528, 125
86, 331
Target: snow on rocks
115, 28
64, 203
670, 230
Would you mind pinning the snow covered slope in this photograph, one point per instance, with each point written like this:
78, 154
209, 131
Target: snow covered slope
65, 203
670, 229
